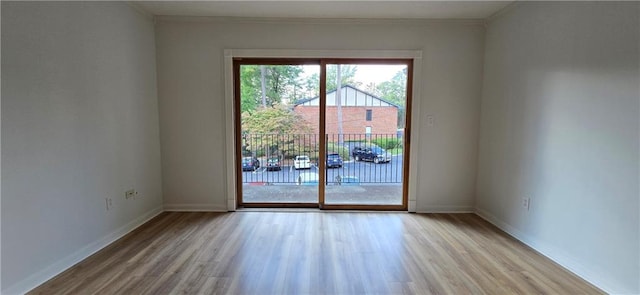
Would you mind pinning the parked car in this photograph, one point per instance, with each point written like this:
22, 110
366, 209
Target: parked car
334, 160
308, 178
273, 164
250, 164
374, 153
301, 162
347, 180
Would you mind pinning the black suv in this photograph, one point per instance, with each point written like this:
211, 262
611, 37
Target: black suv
334, 160
374, 153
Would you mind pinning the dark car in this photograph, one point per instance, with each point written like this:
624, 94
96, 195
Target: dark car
375, 154
273, 164
250, 164
334, 160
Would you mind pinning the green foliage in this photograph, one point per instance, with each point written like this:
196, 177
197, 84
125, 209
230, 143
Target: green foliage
343, 151
274, 131
282, 84
395, 151
395, 91
387, 143
277, 119
249, 88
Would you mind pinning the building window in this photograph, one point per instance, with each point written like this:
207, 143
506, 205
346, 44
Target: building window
369, 115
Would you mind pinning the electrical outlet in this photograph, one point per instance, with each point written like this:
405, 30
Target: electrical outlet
526, 202
108, 203
130, 194
431, 120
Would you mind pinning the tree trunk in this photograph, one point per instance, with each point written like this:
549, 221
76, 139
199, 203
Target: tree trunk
263, 71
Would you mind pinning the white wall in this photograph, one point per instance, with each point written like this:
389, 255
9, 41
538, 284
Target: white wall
79, 124
191, 95
560, 124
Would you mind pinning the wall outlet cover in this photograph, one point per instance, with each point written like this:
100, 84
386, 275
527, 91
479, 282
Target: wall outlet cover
130, 194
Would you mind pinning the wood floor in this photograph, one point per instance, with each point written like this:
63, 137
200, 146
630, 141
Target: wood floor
316, 252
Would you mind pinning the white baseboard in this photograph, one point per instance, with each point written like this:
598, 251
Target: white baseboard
195, 208
599, 279
447, 209
63, 264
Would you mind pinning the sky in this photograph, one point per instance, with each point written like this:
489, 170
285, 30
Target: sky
377, 73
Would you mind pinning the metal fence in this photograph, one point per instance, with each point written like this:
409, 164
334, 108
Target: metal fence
269, 149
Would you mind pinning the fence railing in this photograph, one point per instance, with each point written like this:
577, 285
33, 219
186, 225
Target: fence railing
366, 158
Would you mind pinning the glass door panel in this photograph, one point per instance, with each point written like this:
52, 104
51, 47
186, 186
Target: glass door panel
364, 126
279, 139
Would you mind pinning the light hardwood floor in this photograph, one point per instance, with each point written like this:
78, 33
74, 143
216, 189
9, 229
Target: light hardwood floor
316, 252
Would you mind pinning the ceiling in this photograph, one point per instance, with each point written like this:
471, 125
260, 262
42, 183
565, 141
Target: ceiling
326, 9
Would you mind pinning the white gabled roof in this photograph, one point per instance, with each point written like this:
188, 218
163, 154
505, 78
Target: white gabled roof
350, 97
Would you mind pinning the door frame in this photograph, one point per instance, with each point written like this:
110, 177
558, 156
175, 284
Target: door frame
286, 56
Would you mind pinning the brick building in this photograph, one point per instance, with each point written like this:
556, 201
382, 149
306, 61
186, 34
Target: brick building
363, 114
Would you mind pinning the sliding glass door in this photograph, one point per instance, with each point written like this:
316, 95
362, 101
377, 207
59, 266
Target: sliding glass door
320, 133
365, 115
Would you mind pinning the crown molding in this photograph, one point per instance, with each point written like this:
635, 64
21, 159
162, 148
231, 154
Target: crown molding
319, 21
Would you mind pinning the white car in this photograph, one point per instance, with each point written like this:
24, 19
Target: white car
302, 162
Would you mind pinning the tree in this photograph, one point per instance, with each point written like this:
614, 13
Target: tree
395, 91
372, 88
272, 131
348, 74
281, 83
263, 86
249, 88
276, 119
